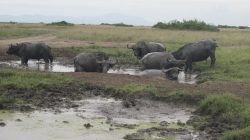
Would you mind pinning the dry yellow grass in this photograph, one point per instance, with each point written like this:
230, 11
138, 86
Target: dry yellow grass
172, 38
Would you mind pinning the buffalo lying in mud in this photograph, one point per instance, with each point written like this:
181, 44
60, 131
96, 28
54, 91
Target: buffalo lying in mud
93, 62
164, 61
198, 51
161, 60
31, 51
142, 48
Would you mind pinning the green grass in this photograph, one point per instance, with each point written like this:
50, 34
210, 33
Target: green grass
230, 110
6, 100
238, 134
227, 107
232, 64
21, 79
134, 89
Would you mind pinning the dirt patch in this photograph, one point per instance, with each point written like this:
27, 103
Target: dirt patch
164, 132
217, 87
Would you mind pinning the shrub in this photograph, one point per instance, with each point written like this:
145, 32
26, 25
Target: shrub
186, 25
118, 24
61, 23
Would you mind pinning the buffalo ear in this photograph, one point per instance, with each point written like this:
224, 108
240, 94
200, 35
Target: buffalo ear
142, 43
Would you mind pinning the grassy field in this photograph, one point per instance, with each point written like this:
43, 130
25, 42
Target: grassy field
233, 57
172, 38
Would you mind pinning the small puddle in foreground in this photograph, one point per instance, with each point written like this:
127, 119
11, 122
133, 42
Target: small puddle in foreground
106, 116
56, 66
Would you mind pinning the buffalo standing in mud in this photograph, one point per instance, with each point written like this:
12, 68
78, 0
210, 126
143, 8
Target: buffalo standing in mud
194, 52
28, 51
164, 61
142, 48
93, 62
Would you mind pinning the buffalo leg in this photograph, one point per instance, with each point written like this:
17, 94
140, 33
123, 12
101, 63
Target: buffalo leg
213, 59
24, 61
51, 59
46, 60
188, 67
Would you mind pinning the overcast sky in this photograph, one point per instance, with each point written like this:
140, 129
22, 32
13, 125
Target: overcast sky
230, 12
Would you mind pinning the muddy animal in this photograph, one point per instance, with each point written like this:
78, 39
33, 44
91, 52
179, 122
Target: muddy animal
161, 60
170, 67
93, 62
28, 51
198, 51
142, 48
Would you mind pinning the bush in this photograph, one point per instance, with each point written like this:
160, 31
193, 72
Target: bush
186, 25
61, 23
242, 27
118, 24
226, 26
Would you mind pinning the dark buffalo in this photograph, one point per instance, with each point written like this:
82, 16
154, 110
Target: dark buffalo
164, 61
92, 62
31, 51
160, 60
142, 48
194, 52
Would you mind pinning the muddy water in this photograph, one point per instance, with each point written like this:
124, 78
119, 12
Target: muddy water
105, 116
57, 66
39, 66
182, 77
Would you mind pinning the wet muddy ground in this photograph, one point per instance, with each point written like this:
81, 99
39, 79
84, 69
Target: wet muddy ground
64, 65
100, 118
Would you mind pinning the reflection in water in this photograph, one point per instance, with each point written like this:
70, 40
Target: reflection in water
58, 67
40, 66
187, 78
182, 77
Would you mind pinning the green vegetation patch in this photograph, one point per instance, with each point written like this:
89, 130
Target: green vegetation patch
118, 24
226, 106
61, 23
232, 64
186, 25
21, 79
133, 89
20, 32
231, 112
238, 134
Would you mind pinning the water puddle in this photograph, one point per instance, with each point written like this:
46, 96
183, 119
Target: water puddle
56, 66
182, 77
93, 119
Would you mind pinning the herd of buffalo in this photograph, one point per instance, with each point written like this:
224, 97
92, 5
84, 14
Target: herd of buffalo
152, 56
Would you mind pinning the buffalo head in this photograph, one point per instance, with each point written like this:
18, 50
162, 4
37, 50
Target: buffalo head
172, 73
13, 49
138, 48
105, 65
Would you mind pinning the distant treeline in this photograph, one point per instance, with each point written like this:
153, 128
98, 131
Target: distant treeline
174, 24
61, 23
186, 25
118, 24
227, 26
